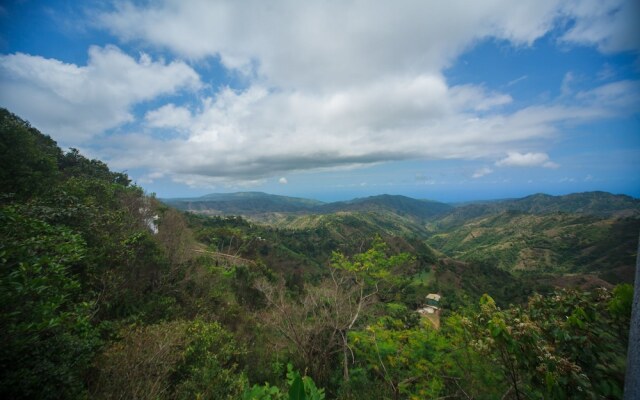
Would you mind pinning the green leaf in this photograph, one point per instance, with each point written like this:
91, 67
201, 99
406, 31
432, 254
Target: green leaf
296, 391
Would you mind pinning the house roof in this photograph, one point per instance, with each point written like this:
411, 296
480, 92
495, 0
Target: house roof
433, 296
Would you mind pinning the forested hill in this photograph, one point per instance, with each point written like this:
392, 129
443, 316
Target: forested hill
593, 203
108, 293
600, 204
80, 263
400, 205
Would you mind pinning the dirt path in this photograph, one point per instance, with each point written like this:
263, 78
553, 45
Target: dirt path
434, 319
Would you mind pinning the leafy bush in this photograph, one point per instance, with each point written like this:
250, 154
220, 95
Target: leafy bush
47, 338
178, 359
299, 388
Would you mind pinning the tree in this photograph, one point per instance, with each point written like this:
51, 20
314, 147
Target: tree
171, 360
48, 340
175, 237
355, 285
300, 388
28, 159
317, 324
408, 361
558, 346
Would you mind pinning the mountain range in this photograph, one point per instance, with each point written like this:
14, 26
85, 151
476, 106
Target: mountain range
256, 204
587, 236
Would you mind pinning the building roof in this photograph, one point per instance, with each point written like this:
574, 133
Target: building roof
433, 296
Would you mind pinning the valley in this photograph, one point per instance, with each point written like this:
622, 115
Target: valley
590, 235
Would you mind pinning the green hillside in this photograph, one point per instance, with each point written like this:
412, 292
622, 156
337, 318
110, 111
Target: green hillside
304, 245
403, 206
556, 242
367, 223
601, 204
592, 203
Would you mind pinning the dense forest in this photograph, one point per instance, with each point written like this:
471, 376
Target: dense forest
107, 292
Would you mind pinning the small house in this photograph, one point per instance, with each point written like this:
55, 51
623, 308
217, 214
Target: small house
433, 300
432, 306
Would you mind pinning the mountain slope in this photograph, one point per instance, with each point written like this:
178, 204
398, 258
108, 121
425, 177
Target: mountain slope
592, 203
556, 242
588, 203
242, 203
366, 224
400, 205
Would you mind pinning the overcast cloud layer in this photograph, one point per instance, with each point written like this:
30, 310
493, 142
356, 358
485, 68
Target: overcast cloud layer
326, 84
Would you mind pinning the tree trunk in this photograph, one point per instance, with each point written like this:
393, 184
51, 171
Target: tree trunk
345, 363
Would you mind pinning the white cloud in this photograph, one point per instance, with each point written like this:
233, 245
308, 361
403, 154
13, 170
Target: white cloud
320, 45
515, 159
567, 81
169, 116
316, 44
482, 172
607, 72
610, 25
283, 181
257, 133
621, 96
73, 103
517, 80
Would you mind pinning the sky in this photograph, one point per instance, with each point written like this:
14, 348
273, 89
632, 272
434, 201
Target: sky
451, 101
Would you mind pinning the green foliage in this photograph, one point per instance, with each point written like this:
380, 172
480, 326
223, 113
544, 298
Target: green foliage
299, 388
621, 302
264, 392
74, 250
47, 339
179, 359
209, 366
28, 159
296, 389
74, 164
558, 346
302, 387
402, 361
373, 265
